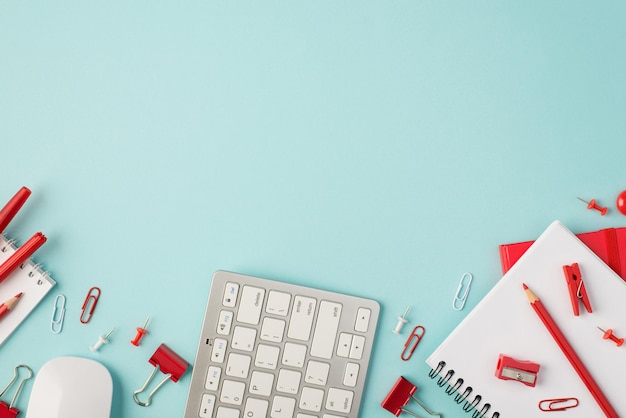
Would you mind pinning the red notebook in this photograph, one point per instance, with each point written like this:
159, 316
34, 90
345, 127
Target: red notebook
609, 244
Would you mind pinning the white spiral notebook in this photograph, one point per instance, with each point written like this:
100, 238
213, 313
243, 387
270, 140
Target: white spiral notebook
504, 323
30, 279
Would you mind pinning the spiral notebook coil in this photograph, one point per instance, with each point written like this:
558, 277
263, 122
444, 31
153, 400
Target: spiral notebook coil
460, 398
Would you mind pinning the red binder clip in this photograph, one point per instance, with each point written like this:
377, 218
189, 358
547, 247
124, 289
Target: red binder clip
169, 363
400, 395
8, 410
522, 371
576, 287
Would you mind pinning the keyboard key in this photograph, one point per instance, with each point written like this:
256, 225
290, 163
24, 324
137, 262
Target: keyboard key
213, 378
250, 305
238, 365
230, 295
282, 407
294, 355
243, 338
351, 374
362, 320
266, 356
356, 349
326, 330
339, 400
302, 316
272, 330
232, 392
278, 303
288, 381
224, 323
219, 350
345, 342
255, 408
206, 406
223, 412
311, 399
261, 383
317, 372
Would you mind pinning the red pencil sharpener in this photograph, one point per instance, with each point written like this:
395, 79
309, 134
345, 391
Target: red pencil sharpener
522, 371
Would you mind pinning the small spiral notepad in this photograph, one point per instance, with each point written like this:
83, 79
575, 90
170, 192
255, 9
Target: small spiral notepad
503, 322
30, 279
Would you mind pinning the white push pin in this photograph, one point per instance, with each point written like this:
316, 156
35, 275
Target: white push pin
101, 341
401, 321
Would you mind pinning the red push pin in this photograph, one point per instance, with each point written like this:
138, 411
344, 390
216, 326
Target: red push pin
621, 202
141, 331
594, 205
608, 335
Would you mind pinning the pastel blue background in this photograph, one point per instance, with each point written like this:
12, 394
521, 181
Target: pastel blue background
380, 148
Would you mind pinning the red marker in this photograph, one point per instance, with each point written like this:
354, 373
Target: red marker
9, 304
10, 209
22, 254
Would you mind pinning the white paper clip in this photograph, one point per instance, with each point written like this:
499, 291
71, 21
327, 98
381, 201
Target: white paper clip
56, 322
466, 281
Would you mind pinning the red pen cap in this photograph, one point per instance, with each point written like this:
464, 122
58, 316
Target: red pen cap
12, 207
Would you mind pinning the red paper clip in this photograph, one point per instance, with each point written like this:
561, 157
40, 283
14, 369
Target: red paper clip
8, 410
169, 363
400, 395
576, 288
92, 299
549, 405
409, 345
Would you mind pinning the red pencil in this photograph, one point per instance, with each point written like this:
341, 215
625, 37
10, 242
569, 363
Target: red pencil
21, 254
9, 304
10, 209
571, 355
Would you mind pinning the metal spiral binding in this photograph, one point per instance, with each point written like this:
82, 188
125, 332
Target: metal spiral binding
460, 397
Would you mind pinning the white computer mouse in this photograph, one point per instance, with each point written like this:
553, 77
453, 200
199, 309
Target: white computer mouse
71, 387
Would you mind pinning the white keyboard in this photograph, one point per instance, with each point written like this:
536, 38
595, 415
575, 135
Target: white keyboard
273, 349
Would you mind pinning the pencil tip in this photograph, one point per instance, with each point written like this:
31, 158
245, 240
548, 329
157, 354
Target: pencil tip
525, 287
19, 295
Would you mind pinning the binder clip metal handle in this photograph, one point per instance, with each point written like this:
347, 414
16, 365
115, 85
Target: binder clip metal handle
7, 410
167, 362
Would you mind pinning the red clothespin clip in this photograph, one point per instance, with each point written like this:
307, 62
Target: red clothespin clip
576, 287
409, 345
169, 363
400, 395
522, 371
8, 410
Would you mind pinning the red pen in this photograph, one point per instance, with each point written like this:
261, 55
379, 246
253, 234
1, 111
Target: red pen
10, 209
9, 304
21, 254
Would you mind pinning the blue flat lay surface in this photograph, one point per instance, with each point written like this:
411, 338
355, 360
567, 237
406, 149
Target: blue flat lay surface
376, 148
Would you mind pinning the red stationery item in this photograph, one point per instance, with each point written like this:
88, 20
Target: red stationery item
22, 254
167, 362
12, 207
571, 355
609, 244
576, 288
